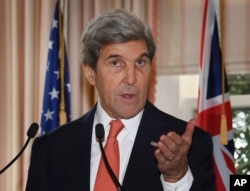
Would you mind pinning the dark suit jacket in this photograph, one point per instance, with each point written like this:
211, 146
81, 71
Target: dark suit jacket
61, 160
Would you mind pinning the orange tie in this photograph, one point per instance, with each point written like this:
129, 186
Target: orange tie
103, 179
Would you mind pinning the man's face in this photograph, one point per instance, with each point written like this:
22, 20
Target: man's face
122, 77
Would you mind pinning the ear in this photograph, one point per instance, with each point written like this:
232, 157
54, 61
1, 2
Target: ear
89, 73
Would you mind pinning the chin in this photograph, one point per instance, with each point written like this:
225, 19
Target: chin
128, 114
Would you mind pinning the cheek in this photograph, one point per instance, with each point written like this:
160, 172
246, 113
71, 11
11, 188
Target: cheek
144, 81
105, 84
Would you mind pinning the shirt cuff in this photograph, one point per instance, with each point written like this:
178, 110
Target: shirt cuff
183, 184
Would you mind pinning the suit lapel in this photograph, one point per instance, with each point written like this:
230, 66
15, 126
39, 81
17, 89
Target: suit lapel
79, 153
142, 173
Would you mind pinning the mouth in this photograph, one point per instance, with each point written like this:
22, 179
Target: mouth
128, 96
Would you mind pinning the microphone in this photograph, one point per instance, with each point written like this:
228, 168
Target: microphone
31, 134
99, 131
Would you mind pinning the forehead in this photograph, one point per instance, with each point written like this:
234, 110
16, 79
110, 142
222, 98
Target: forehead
128, 49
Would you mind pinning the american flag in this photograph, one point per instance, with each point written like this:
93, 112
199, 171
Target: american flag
214, 108
55, 98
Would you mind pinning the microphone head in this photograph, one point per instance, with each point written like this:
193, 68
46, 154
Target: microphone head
32, 130
99, 131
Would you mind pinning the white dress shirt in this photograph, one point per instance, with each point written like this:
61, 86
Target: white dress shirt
125, 140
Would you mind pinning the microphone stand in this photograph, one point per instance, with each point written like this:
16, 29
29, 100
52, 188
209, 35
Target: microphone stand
31, 134
14, 159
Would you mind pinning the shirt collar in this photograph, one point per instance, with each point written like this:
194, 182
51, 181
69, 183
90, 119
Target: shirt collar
131, 125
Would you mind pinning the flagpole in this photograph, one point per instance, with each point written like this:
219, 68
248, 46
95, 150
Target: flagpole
223, 126
62, 114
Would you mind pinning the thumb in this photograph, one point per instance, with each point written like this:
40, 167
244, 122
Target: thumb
188, 134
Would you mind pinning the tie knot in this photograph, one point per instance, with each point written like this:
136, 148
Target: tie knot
115, 127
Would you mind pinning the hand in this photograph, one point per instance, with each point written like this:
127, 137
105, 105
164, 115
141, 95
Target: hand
172, 153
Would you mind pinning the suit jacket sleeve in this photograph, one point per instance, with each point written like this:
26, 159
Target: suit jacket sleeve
201, 162
36, 178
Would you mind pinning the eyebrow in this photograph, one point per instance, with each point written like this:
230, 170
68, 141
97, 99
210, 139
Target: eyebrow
119, 56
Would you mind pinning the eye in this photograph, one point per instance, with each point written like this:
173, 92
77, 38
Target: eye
141, 62
115, 63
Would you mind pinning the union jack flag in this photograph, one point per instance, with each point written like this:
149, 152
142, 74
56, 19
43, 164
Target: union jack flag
214, 101
52, 100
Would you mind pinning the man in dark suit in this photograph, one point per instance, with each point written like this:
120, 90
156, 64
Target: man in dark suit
158, 152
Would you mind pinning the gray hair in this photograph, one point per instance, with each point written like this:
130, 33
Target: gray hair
113, 26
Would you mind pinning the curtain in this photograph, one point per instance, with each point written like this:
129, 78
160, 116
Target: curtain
24, 37
180, 34
25, 27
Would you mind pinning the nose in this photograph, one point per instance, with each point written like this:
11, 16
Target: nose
130, 74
